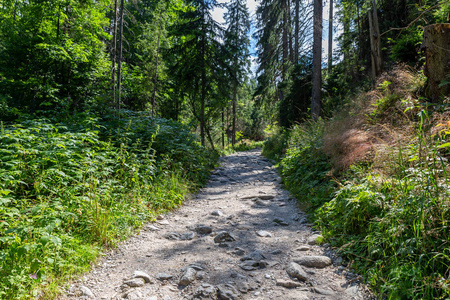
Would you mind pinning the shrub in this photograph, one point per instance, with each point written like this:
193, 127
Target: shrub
68, 189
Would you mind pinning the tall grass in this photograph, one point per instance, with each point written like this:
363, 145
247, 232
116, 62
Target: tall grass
67, 190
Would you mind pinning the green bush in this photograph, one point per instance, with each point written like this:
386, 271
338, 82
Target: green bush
68, 189
305, 169
275, 146
392, 226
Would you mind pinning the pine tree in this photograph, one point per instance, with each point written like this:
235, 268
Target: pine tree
237, 43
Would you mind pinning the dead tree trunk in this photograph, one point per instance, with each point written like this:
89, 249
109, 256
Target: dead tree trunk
436, 42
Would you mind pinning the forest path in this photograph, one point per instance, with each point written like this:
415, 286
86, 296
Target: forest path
236, 239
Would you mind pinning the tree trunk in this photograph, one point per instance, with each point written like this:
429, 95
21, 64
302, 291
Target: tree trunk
316, 101
296, 31
375, 43
203, 79
113, 55
285, 41
330, 38
291, 49
208, 133
223, 127
119, 67
155, 78
233, 137
345, 50
436, 42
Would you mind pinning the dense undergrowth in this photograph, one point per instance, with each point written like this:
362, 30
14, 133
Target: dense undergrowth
376, 180
69, 188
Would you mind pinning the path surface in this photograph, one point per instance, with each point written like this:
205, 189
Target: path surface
238, 238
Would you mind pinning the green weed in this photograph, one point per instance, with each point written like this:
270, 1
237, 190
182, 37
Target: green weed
69, 189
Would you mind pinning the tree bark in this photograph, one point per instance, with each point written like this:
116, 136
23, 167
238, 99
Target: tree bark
436, 42
155, 78
330, 38
233, 137
316, 101
296, 31
285, 41
113, 50
375, 43
119, 67
223, 127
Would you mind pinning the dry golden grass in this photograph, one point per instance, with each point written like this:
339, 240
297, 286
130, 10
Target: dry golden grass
360, 133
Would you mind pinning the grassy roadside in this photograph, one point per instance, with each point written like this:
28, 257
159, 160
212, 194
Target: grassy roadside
69, 189
375, 179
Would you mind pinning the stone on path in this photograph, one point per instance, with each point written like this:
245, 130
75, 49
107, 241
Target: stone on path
143, 275
322, 291
250, 265
266, 197
288, 283
202, 229
86, 292
255, 255
188, 276
135, 282
172, 236
263, 233
280, 221
312, 240
187, 236
297, 271
163, 222
153, 228
224, 236
227, 292
303, 248
217, 213
260, 202
163, 276
205, 291
313, 261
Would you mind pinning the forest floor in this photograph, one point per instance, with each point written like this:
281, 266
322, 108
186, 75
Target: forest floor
241, 237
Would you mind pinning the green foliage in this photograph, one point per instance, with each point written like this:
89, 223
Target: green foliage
52, 53
442, 14
393, 226
406, 47
305, 168
67, 189
275, 146
386, 105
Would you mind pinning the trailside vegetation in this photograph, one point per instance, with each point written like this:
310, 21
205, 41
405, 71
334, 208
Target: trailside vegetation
69, 188
375, 180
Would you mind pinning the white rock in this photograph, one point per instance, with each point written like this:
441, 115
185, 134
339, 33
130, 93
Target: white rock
85, 291
263, 233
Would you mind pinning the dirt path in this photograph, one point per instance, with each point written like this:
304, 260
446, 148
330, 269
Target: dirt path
239, 238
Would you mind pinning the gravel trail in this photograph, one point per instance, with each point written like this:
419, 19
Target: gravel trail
240, 237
